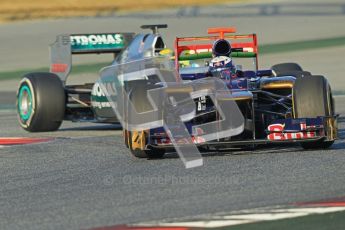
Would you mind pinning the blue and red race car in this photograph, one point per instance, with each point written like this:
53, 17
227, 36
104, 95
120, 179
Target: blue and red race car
284, 104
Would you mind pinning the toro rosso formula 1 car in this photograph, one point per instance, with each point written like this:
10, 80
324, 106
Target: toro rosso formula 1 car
284, 104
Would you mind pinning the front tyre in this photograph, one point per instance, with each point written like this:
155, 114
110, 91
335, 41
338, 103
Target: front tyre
312, 98
137, 140
40, 102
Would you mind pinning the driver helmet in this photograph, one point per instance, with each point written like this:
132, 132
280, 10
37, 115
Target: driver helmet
222, 67
221, 62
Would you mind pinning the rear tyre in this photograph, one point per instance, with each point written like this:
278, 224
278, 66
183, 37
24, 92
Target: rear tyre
312, 97
289, 69
137, 140
278, 69
40, 102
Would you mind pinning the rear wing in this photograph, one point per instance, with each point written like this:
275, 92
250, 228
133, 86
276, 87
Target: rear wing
65, 46
242, 46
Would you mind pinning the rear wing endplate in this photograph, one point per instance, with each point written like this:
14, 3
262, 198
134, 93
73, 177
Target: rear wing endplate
66, 45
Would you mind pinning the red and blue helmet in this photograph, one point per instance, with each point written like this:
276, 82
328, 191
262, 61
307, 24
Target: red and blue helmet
221, 62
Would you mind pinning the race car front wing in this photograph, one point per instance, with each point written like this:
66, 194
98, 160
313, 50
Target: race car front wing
278, 132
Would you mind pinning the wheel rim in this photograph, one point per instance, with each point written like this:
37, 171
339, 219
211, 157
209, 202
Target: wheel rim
25, 103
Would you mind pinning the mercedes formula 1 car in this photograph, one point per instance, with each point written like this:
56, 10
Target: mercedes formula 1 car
284, 104
45, 99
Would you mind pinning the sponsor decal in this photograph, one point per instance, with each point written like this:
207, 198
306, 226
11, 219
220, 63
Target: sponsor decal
248, 49
100, 105
98, 98
277, 133
97, 41
167, 141
59, 68
195, 51
201, 105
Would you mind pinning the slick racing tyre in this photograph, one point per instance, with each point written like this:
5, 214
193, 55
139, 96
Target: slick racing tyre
289, 69
286, 67
312, 97
137, 140
40, 102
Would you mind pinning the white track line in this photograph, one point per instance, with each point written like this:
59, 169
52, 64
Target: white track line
247, 216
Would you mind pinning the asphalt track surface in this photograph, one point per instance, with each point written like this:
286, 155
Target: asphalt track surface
85, 177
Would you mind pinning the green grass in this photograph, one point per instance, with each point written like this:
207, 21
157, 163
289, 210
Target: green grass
301, 45
18, 74
338, 92
263, 49
77, 69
